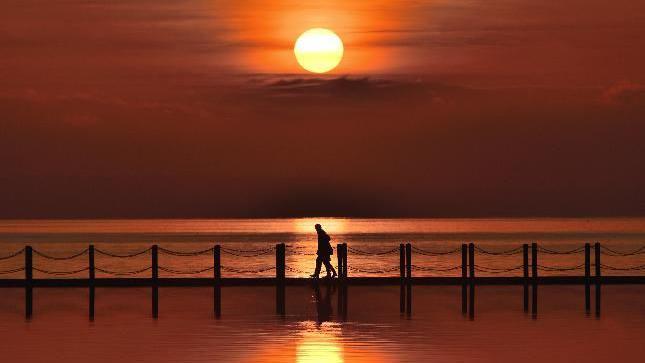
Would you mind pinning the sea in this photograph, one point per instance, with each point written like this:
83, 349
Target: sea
248, 245
312, 329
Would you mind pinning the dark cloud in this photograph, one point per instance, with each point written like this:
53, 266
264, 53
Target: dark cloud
355, 89
339, 86
624, 93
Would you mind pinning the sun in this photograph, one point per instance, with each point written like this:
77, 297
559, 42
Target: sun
319, 50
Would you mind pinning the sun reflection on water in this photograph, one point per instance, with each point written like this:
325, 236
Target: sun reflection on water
319, 343
330, 225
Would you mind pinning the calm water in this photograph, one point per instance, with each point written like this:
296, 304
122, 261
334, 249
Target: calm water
374, 331
66, 237
312, 331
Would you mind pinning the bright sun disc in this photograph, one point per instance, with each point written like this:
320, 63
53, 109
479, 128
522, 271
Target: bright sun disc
318, 50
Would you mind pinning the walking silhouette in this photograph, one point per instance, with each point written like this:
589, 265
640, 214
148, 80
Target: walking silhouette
324, 253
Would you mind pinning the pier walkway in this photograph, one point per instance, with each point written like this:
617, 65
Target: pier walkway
464, 273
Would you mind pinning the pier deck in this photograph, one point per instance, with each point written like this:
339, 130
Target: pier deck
356, 281
465, 274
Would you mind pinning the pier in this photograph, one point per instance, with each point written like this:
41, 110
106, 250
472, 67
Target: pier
464, 273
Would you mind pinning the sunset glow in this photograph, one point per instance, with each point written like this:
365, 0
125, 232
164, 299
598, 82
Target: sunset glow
322, 181
331, 225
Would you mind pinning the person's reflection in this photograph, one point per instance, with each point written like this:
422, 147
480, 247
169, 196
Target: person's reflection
323, 302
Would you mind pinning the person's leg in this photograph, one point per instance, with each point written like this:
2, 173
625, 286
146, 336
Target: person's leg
318, 266
329, 268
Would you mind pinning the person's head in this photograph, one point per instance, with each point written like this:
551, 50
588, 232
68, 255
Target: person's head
318, 227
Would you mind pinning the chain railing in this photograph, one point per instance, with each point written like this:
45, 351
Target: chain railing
61, 258
497, 270
186, 253
123, 273
509, 252
370, 268
426, 252
630, 268
12, 255
556, 252
127, 255
373, 253
611, 252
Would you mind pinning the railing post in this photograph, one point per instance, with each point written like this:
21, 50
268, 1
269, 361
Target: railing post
342, 279
534, 273
29, 274
344, 262
339, 257
587, 277
525, 261
408, 262
280, 278
408, 267
402, 272
598, 266
402, 261
155, 281
217, 276
91, 280
471, 266
217, 263
280, 263
277, 263
344, 284
464, 278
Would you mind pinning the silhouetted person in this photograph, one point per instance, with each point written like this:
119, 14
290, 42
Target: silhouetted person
323, 303
324, 253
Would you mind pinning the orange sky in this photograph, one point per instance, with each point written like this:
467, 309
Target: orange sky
572, 41
516, 107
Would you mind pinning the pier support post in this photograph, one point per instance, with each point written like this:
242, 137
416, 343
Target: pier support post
340, 298
344, 284
29, 275
344, 262
155, 281
339, 256
471, 266
534, 280
598, 266
280, 263
408, 267
280, 278
587, 277
525, 261
408, 261
91, 280
402, 273
341, 252
464, 278
217, 283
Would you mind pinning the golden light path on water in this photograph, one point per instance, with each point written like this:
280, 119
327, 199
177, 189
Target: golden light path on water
331, 225
322, 342
319, 344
